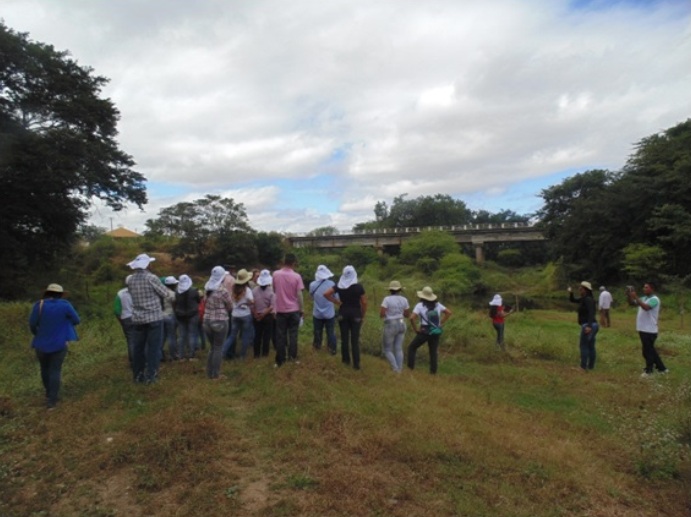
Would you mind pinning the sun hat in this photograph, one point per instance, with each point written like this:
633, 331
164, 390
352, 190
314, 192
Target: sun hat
395, 285
216, 279
243, 277
348, 278
602, 288
587, 285
496, 301
323, 273
170, 280
427, 294
141, 262
184, 284
264, 278
55, 288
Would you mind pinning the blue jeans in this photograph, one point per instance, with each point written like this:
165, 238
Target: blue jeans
51, 373
394, 332
147, 339
187, 342
170, 334
325, 324
287, 325
587, 346
244, 326
350, 338
216, 333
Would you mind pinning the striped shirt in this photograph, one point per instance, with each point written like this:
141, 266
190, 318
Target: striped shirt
147, 293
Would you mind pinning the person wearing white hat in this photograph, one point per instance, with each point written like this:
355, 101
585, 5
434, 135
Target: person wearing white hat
170, 323
52, 323
186, 306
498, 312
122, 307
147, 293
350, 297
604, 303
587, 322
264, 314
432, 316
323, 312
216, 308
394, 309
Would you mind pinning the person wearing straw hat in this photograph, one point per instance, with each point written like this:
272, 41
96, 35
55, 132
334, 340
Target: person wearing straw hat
352, 307
394, 311
217, 305
147, 293
323, 312
241, 321
264, 317
52, 323
587, 322
432, 316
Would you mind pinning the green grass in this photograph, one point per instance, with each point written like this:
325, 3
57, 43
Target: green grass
516, 433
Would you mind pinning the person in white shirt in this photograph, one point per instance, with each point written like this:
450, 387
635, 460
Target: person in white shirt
604, 303
647, 327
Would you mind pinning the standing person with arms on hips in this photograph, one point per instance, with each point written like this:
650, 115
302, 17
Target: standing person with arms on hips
498, 313
52, 323
264, 309
647, 326
604, 304
588, 324
147, 293
217, 305
187, 301
288, 288
394, 310
122, 307
323, 312
432, 315
352, 307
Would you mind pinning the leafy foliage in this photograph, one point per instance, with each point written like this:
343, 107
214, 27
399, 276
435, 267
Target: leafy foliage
57, 152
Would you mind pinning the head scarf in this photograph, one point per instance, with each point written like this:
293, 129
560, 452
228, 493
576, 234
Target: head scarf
323, 273
348, 278
216, 279
184, 284
496, 301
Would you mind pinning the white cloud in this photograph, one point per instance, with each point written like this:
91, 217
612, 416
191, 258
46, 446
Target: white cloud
382, 98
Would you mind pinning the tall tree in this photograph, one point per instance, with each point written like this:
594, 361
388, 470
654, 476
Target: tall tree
57, 152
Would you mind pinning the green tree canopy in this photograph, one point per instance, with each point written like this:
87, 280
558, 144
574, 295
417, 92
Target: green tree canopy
57, 152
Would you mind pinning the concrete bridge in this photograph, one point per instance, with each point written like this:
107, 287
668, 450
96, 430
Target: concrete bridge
475, 234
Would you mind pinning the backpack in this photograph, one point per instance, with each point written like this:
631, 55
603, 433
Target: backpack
432, 320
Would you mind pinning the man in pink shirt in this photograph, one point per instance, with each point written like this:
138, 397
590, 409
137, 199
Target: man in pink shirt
288, 289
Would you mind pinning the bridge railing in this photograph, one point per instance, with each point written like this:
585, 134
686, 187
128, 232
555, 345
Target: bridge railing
418, 229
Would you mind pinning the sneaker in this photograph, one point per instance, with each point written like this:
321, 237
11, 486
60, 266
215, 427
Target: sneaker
663, 372
645, 375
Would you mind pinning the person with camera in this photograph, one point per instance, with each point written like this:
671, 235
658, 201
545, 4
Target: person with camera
588, 323
647, 327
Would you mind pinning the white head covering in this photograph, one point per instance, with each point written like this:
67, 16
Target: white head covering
185, 282
216, 279
264, 278
170, 280
348, 278
323, 273
496, 301
141, 262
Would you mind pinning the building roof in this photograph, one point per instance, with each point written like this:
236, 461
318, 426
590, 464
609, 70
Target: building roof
122, 232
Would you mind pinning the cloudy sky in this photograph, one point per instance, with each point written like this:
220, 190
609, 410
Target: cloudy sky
310, 111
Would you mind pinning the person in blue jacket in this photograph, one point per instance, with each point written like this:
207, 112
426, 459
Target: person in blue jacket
52, 323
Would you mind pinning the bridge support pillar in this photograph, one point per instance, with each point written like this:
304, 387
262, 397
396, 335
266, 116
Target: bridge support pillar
479, 251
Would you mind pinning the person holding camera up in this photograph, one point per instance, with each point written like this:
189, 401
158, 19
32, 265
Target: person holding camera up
646, 325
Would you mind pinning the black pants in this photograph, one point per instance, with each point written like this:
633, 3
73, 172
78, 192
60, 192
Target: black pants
263, 335
51, 373
350, 339
652, 359
433, 344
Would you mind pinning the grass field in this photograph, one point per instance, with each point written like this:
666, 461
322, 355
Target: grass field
520, 433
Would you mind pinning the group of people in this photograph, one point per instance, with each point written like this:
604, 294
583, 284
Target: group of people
646, 323
257, 308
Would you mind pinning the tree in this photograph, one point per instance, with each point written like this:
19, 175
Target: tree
428, 245
57, 153
437, 210
210, 231
323, 231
